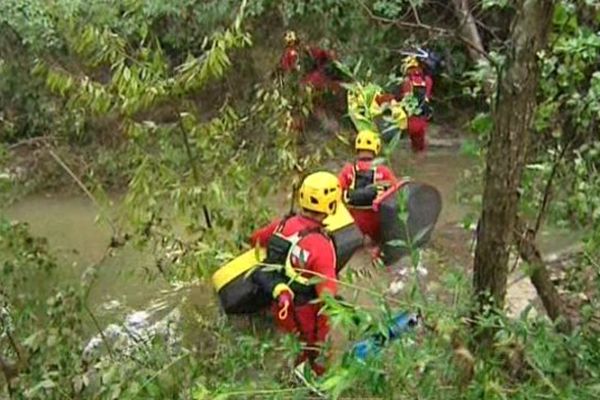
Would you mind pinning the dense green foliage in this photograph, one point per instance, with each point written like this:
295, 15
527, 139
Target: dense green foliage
177, 105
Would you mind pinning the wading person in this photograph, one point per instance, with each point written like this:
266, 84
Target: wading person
304, 251
362, 182
419, 85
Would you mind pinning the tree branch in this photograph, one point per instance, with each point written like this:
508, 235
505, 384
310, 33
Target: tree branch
9, 369
86, 307
29, 142
528, 251
84, 189
415, 13
524, 238
193, 164
468, 28
426, 27
100, 331
548, 187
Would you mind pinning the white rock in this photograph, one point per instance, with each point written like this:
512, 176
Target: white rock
396, 287
137, 320
111, 305
136, 331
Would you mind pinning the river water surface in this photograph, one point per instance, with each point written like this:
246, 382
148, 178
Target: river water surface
68, 222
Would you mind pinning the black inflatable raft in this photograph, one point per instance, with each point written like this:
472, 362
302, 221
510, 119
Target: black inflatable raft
233, 281
408, 214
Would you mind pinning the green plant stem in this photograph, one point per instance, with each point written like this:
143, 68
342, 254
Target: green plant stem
263, 391
548, 188
100, 331
193, 165
165, 368
352, 286
543, 377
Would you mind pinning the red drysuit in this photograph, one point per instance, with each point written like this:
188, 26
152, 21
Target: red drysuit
318, 77
421, 85
366, 219
315, 66
289, 59
314, 252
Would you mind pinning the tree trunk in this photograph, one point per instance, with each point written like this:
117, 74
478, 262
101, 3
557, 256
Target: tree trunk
540, 277
468, 29
512, 113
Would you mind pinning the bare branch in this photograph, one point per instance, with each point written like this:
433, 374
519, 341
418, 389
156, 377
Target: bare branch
468, 28
540, 277
435, 29
99, 329
84, 189
29, 142
193, 164
548, 188
415, 13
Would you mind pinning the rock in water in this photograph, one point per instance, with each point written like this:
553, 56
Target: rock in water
133, 335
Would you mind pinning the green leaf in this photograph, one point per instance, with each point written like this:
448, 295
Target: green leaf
482, 124
421, 234
561, 14
47, 384
342, 139
201, 392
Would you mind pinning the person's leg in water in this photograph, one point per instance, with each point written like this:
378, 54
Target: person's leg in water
325, 115
325, 100
368, 223
417, 128
315, 329
297, 127
312, 329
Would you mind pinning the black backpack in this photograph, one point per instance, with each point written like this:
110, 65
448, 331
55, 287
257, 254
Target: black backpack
432, 62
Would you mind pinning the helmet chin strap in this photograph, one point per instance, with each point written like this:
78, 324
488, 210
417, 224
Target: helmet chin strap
314, 215
366, 157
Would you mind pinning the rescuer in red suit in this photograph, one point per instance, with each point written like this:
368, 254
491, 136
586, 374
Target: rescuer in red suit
419, 85
316, 68
300, 244
362, 181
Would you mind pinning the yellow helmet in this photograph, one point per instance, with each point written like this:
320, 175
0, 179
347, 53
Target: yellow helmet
290, 37
368, 140
410, 62
320, 192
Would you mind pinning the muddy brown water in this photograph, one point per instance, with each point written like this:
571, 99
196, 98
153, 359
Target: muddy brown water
78, 241
68, 222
